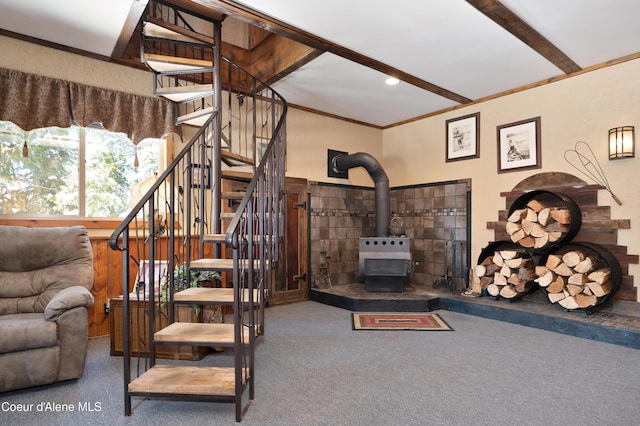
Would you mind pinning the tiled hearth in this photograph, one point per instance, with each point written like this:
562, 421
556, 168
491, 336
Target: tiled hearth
615, 321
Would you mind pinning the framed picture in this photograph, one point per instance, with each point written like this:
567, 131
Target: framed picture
463, 137
144, 280
519, 146
197, 177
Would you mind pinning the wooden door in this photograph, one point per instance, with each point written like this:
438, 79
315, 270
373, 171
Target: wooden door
290, 281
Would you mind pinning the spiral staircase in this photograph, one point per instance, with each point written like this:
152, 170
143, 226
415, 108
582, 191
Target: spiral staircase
189, 220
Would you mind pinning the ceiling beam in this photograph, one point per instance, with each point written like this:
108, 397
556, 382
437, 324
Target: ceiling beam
511, 22
246, 14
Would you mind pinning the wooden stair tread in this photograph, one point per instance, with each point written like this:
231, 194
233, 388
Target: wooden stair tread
221, 264
199, 334
214, 238
158, 28
167, 64
232, 195
185, 93
238, 176
195, 116
186, 380
228, 155
204, 295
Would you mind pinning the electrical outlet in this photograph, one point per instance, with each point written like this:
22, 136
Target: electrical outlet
107, 308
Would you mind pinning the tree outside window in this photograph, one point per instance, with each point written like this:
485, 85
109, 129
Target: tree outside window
74, 171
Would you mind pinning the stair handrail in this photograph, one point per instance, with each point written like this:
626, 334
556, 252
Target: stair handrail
230, 236
133, 214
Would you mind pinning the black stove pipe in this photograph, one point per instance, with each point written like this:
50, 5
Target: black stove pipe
342, 163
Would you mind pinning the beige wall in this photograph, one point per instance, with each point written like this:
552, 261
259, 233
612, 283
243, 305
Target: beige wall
53, 63
309, 136
582, 108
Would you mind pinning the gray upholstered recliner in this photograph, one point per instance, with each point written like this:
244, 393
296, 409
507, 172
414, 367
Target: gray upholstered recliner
45, 278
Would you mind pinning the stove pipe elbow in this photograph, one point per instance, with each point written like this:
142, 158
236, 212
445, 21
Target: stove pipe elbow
342, 163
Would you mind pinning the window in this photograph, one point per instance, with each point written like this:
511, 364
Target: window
85, 172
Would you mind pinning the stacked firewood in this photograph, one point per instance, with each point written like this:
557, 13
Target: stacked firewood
536, 225
506, 273
572, 280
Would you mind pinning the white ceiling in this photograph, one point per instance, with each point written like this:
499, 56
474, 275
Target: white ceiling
89, 25
448, 43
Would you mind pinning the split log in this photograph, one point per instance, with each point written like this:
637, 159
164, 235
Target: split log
585, 266
541, 241
572, 258
563, 269
574, 289
505, 271
515, 280
600, 276
578, 279
556, 227
527, 226
512, 228
555, 236
599, 290
557, 285
562, 216
493, 290
535, 205
517, 215
487, 261
531, 216
517, 262
541, 270
553, 261
569, 303
585, 301
544, 216
485, 281
527, 242
499, 279
508, 254
518, 235
480, 270
547, 278
491, 269
497, 259
554, 297
508, 292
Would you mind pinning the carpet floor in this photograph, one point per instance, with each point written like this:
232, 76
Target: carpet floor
313, 369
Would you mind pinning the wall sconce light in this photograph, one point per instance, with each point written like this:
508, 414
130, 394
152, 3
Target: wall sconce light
621, 142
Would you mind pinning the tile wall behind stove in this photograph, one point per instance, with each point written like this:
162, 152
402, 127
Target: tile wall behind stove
433, 216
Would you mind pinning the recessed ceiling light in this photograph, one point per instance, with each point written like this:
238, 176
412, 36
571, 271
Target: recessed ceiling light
391, 81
